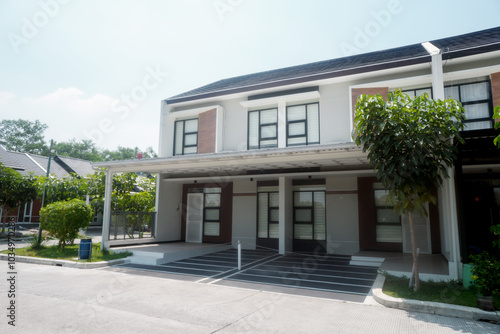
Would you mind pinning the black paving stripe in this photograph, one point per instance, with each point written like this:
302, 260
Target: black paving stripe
371, 275
197, 266
323, 266
193, 272
331, 287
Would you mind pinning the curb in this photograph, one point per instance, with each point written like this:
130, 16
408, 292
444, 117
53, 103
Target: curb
65, 263
448, 310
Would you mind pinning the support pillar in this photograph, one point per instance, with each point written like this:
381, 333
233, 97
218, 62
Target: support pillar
285, 215
106, 221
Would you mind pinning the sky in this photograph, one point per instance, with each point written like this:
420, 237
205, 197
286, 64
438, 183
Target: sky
99, 69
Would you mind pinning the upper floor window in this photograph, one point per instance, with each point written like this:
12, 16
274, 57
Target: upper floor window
302, 124
418, 92
186, 137
476, 100
263, 128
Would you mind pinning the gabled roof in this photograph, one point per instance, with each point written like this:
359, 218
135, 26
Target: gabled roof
451, 47
26, 163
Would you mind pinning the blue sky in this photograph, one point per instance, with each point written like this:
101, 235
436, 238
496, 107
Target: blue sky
98, 69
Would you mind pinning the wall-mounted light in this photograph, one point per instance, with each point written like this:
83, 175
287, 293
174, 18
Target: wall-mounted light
195, 181
309, 177
251, 179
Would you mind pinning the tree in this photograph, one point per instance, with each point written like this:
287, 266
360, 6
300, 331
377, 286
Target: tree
65, 218
15, 190
22, 135
127, 153
85, 149
61, 189
410, 145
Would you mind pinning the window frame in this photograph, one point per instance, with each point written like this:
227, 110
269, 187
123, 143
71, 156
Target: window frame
269, 209
310, 208
260, 126
377, 223
306, 125
184, 134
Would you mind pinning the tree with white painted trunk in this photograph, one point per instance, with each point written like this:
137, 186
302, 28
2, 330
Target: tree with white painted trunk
410, 143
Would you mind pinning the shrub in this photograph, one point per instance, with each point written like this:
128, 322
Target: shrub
65, 218
485, 274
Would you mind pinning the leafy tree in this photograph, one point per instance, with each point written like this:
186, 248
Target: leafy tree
85, 149
126, 153
61, 189
409, 143
65, 218
15, 190
22, 135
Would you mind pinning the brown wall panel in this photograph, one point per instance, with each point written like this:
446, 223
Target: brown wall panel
207, 126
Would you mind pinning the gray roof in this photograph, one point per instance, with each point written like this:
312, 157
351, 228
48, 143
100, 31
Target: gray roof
451, 47
60, 166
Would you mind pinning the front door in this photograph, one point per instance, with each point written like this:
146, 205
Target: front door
194, 217
309, 221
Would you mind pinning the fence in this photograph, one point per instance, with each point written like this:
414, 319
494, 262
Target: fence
132, 225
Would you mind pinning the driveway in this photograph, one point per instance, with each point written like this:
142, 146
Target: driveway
65, 300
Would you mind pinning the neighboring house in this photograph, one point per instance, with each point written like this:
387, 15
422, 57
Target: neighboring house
26, 163
268, 158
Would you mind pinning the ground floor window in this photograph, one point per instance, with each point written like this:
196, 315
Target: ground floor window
268, 212
211, 210
25, 212
388, 223
309, 213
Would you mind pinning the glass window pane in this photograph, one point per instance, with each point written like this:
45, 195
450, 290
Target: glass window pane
262, 215
478, 125
179, 136
269, 116
303, 215
479, 110
388, 216
474, 92
303, 231
269, 143
297, 129
212, 190
420, 92
253, 129
451, 93
274, 231
319, 216
274, 200
296, 141
313, 123
190, 150
191, 125
274, 215
212, 200
212, 229
381, 197
268, 131
296, 113
410, 93
212, 214
190, 139
303, 198
389, 233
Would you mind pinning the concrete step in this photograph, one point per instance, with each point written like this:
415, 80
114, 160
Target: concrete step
367, 261
151, 257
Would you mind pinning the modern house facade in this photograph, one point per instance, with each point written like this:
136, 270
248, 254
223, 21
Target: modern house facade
267, 159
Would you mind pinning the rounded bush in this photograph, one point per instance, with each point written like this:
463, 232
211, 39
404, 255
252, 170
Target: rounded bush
65, 218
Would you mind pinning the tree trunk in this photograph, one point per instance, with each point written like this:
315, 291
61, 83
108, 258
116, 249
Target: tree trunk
416, 286
1, 220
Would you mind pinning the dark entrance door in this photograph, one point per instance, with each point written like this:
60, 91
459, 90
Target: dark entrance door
309, 221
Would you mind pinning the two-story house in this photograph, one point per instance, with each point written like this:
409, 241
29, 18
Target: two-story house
268, 158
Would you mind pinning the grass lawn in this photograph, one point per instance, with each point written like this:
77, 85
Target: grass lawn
442, 292
70, 252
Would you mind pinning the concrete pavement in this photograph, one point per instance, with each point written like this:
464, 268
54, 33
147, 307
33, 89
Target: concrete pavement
65, 300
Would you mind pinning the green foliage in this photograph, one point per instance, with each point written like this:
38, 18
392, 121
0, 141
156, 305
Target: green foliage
61, 189
36, 243
496, 115
485, 274
85, 149
22, 135
495, 229
65, 218
409, 143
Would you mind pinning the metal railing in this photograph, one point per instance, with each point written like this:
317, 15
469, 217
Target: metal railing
132, 225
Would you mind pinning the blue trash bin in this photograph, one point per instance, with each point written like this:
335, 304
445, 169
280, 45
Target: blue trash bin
85, 249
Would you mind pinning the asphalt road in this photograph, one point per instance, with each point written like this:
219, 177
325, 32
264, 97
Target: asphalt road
63, 300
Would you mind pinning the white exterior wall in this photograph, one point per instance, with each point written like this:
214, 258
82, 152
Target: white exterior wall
168, 225
342, 215
244, 214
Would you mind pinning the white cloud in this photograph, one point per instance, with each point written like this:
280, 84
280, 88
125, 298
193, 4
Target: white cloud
5, 97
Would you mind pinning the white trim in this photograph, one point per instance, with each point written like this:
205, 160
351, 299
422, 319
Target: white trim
36, 163
275, 100
431, 48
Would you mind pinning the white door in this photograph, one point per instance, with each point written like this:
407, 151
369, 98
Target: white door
194, 217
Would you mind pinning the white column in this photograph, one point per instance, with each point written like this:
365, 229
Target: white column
107, 209
285, 215
450, 206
